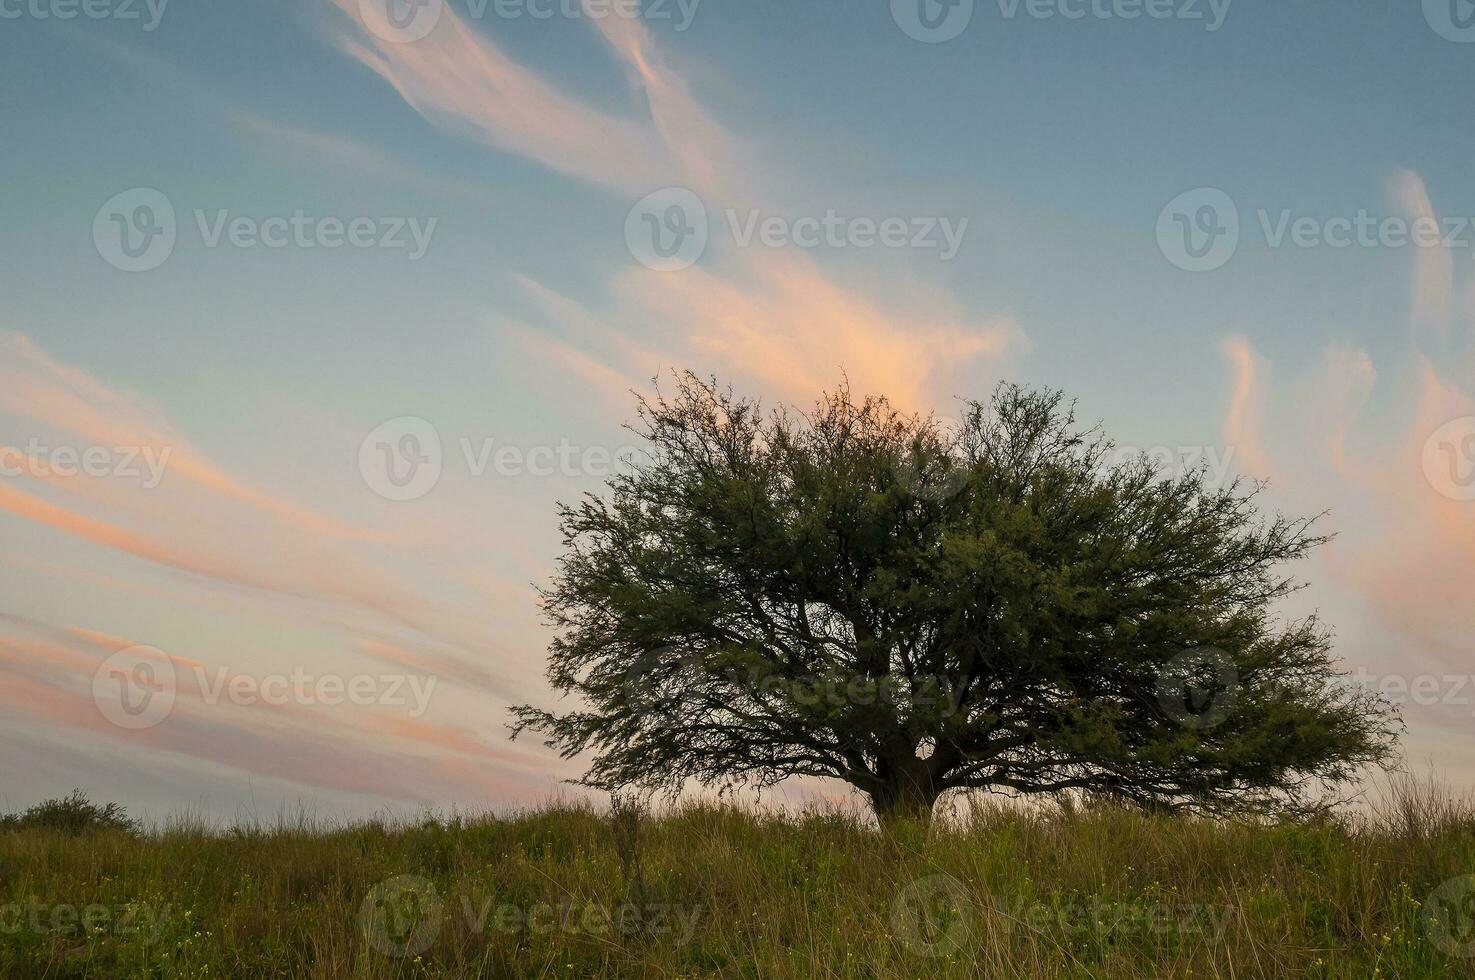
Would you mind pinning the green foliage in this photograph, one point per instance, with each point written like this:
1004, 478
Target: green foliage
860, 594
71, 814
1094, 891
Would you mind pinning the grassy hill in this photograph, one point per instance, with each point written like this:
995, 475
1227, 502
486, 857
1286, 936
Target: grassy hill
717, 891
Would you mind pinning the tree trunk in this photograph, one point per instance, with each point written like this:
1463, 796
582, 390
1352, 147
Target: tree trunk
909, 795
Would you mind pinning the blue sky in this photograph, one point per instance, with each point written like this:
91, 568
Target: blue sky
520, 146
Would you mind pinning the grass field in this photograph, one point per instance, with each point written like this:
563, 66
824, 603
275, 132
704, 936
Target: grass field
718, 891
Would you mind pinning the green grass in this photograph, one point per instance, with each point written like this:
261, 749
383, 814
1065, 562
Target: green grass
718, 891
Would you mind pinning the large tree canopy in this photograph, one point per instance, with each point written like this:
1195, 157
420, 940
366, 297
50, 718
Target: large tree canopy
1007, 604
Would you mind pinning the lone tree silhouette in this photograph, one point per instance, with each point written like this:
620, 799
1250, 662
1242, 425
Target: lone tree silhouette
1011, 605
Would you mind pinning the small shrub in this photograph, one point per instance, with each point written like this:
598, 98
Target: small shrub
72, 814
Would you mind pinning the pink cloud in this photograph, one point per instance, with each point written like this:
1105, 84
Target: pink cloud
1242, 427
34, 385
460, 79
342, 747
777, 316
1405, 551
1434, 266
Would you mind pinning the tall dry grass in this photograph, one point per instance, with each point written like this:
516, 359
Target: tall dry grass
995, 891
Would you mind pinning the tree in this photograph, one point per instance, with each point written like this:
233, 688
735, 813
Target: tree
1010, 605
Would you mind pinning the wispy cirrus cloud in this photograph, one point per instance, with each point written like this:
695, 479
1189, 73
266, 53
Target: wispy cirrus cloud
35, 386
1406, 546
204, 525
1433, 285
366, 749
788, 323
772, 314
459, 79
1242, 424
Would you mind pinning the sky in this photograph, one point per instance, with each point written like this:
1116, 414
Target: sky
312, 310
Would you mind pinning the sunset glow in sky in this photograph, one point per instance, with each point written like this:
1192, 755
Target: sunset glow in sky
313, 308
